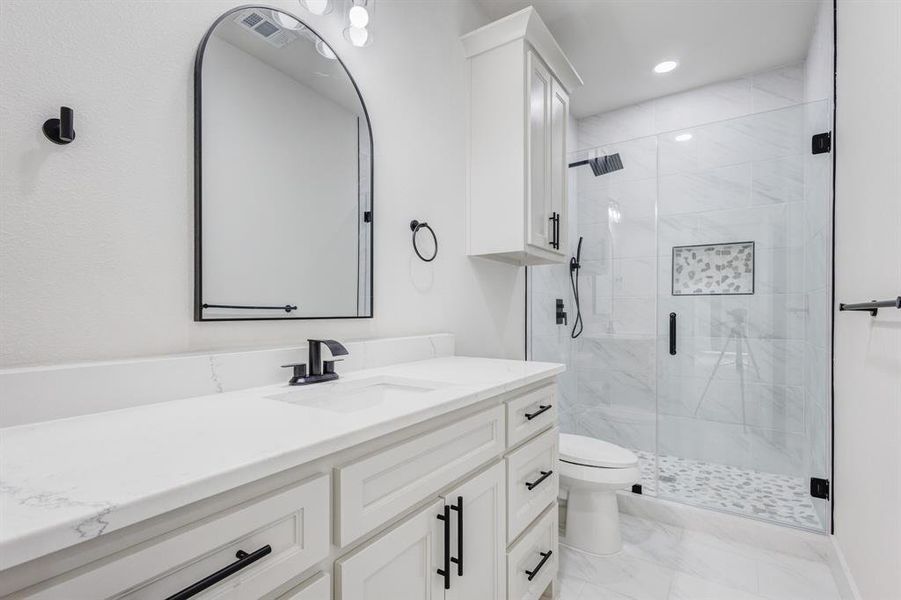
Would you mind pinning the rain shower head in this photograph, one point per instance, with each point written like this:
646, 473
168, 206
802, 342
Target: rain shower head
601, 165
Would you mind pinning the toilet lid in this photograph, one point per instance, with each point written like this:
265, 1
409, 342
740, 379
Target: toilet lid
592, 452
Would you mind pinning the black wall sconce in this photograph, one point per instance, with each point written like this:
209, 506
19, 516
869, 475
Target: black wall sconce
62, 130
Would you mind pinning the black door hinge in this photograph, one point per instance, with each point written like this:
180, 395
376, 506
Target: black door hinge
821, 143
819, 488
367, 216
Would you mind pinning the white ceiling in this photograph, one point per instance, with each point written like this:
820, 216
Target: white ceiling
614, 44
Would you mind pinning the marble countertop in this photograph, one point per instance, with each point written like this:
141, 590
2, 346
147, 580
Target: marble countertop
66, 481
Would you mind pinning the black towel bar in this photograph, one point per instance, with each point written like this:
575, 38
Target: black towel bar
287, 307
872, 307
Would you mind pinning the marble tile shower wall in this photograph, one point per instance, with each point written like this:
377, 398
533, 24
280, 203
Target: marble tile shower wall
747, 176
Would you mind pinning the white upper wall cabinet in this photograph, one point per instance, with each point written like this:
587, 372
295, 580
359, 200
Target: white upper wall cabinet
520, 82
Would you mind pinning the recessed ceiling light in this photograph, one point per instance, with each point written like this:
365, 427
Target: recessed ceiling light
683, 137
666, 66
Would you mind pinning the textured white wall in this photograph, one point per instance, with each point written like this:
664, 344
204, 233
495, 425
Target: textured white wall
97, 237
867, 368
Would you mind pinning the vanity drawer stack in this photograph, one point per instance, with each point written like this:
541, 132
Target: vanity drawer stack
532, 487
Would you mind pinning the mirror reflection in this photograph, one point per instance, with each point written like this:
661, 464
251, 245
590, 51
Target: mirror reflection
284, 168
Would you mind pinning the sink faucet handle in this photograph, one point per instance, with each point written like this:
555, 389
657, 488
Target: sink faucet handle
300, 372
328, 366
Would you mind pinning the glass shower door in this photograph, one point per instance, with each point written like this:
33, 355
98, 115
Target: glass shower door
742, 315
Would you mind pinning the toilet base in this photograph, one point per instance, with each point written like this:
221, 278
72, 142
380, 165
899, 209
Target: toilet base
592, 521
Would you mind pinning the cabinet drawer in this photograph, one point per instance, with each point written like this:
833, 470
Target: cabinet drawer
385, 484
292, 523
318, 587
529, 558
531, 413
532, 481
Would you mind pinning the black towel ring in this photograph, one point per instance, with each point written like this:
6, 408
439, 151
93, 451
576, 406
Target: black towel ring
415, 226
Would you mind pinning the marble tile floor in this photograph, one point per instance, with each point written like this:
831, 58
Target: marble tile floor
664, 562
778, 498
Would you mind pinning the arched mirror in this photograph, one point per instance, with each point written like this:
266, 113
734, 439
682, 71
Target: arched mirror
283, 174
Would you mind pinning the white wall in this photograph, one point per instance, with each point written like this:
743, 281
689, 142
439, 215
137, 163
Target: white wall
867, 367
280, 189
97, 237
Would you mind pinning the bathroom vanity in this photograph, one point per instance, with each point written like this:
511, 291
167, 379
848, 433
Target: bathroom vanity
420, 480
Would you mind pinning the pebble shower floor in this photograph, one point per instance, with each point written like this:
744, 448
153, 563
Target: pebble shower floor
779, 498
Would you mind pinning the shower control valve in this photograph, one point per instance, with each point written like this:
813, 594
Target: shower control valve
561, 314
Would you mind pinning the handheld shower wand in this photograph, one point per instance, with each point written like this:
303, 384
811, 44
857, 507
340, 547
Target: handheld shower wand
574, 266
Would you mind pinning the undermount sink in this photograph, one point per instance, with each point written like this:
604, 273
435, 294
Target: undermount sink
356, 395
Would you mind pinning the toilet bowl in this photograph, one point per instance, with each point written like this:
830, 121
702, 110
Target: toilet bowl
591, 471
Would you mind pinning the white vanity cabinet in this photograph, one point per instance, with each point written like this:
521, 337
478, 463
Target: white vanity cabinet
457, 507
519, 82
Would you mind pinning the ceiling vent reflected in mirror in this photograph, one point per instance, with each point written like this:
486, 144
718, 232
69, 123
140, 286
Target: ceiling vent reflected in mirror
275, 35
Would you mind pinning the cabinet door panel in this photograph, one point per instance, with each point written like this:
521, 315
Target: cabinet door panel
400, 565
484, 537
538, 152
559, 110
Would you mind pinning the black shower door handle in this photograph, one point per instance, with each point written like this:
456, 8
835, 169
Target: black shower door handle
672, 334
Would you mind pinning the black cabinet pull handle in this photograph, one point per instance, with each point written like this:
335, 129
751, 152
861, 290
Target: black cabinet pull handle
555, 220
459, 559
244, 560
445, 572
534, 484
541, 408
553, 230
672, 334
544, 557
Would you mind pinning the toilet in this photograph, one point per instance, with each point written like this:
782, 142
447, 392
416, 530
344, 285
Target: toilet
591, 471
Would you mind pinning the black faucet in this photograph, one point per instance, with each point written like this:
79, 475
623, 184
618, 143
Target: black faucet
320, 370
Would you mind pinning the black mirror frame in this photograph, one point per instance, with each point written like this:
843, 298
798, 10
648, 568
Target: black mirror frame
198, 175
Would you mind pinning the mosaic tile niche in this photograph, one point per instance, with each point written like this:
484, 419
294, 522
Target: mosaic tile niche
713, 269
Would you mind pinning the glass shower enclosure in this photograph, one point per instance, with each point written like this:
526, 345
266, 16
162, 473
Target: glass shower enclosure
705, 301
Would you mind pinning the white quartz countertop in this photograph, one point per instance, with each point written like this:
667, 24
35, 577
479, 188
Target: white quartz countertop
66, 481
